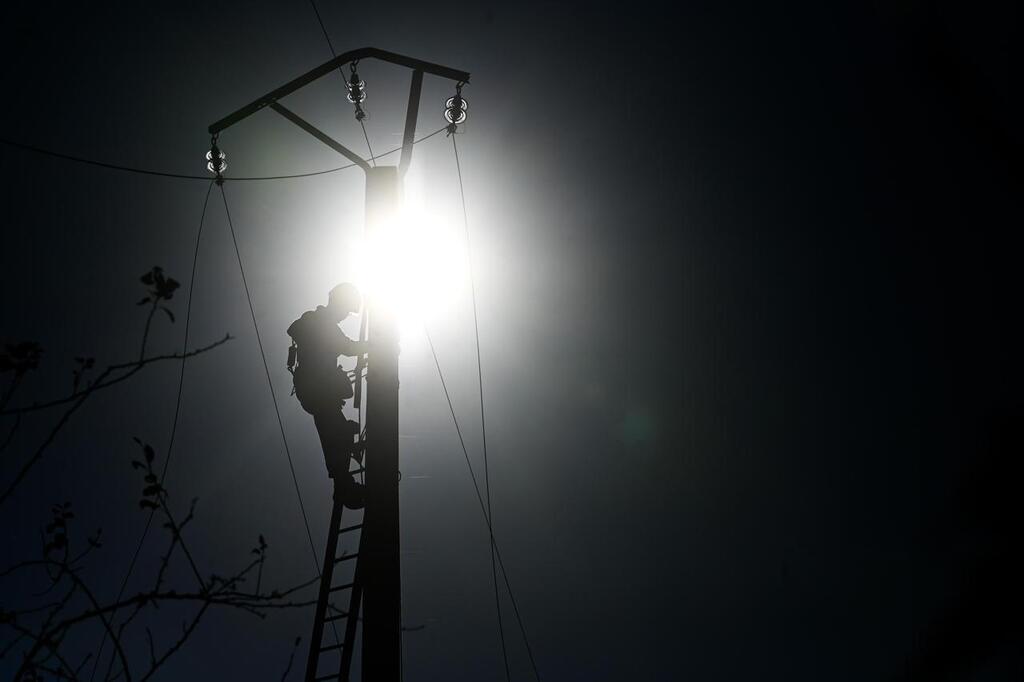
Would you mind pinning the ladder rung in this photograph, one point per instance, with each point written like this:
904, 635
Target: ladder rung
347, 557
347, 529
331, 647
342, 587
339, 616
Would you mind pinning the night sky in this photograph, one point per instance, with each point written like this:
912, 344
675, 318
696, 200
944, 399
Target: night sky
747, 282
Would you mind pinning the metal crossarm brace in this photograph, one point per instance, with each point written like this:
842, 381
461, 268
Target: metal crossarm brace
320, 135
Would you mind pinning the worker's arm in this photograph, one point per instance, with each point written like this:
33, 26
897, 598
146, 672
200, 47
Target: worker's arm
350, 347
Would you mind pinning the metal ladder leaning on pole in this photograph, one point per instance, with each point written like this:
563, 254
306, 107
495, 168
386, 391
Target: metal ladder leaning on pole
348, 582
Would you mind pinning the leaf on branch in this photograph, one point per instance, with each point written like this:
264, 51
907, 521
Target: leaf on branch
151, 490
150, 478
169, 313
136, 464
148, 451
148, 504
143, 301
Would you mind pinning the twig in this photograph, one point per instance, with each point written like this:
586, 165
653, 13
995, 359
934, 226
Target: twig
98, 384
134, 365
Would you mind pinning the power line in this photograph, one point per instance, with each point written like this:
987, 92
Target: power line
367, 138
324, 29
145, 171
174, 423
483, 423
483, 507
270, 383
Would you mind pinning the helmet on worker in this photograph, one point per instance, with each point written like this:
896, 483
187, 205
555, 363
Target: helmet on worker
343, 300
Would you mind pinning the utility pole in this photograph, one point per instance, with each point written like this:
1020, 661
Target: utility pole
381, 570
378, 571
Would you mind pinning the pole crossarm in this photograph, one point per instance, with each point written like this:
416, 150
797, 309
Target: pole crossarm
326, 68
320, 135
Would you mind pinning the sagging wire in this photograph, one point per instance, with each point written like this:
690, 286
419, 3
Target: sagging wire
205, 178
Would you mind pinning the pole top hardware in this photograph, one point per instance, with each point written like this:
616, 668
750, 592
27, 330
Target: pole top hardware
357, 91
455, 110
351, 57
216, 161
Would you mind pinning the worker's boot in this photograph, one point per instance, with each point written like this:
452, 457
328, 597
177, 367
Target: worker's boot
353, 495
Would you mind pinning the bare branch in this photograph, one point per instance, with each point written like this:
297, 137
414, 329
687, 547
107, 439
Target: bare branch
134, 366
98, 384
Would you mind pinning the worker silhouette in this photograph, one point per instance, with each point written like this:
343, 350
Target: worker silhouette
322, 387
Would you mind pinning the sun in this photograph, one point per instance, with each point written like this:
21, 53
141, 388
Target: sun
414, 267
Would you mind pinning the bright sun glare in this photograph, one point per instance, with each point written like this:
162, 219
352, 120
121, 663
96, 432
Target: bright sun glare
415, 266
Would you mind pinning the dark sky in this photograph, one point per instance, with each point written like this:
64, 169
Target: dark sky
747, 279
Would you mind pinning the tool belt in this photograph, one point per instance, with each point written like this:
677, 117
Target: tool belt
322, 391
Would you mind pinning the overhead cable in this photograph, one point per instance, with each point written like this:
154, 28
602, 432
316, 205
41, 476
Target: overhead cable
483, 506
270, 383
181, 176
480, 385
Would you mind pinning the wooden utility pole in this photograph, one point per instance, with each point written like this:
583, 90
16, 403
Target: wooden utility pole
378, 571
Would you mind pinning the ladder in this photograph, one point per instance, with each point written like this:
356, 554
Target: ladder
336, 653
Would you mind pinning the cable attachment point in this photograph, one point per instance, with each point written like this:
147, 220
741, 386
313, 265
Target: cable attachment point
216, 161
455, 110
357, 92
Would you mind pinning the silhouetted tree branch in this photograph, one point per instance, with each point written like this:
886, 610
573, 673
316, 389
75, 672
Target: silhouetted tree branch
40, 631
39, 635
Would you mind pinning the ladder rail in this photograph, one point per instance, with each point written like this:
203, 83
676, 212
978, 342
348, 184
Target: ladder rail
325, 588
355, 601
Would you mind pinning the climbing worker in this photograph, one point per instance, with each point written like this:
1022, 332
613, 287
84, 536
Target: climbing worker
322, 387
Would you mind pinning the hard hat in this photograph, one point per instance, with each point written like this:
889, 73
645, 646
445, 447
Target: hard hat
346, 296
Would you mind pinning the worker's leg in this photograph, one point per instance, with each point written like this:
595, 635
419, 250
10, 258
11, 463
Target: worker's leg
337, 437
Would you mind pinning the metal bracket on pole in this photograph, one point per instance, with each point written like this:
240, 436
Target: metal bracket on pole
320, 135
410, 121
